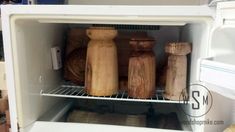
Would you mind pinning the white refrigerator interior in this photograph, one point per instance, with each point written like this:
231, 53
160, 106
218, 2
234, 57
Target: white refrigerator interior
30, 32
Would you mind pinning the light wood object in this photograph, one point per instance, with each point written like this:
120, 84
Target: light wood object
3, 86
142, 69
101, 63
176, 70
231, 128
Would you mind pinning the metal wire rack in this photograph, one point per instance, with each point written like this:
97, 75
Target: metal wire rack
69, 90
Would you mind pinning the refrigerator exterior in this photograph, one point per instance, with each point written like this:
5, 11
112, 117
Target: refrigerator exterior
24, 86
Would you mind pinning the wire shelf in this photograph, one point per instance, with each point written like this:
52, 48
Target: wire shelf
69, 90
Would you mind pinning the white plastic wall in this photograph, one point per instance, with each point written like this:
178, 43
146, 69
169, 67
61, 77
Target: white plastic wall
33, 67
223, 48
197, 34
222, 110
219, 68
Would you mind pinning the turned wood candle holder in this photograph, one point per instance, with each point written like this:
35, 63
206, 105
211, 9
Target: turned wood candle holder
176, 70
101, 75
141, 71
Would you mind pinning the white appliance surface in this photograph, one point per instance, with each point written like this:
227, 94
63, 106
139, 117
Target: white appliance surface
40, 126
219, 68
30, 31
20, 21
138, 2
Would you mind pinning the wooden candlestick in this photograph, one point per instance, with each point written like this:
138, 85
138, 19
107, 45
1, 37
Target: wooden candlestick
141, 72
176, 70
101, 63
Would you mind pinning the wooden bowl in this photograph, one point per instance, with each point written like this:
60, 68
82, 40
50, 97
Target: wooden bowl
77, 38
75, 66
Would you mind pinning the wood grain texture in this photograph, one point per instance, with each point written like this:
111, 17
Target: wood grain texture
3, 127
124, 52
76, 38
75, 66
75, 56
142, 44
101, 65
142, 69
3, 105
176, 76
141, 79
176, 70
180, 48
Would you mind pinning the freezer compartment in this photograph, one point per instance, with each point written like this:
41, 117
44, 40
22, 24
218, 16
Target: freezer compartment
126, 114
33, 38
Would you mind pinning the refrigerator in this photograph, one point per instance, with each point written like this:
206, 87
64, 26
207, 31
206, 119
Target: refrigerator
29, 33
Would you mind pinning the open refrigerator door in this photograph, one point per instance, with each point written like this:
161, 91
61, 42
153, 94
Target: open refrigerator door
219, 68
217, 72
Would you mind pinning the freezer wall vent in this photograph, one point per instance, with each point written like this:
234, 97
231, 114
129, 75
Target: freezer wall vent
129, 27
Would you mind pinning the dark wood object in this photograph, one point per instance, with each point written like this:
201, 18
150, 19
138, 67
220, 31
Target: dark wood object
75, 56
76, 39
75, 66
124, 50
141, 73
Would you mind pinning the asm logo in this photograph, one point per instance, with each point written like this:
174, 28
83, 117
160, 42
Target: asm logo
196, 97
199, 100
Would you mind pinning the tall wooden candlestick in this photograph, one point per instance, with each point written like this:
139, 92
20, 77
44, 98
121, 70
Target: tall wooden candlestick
101, 63
176, 70
141, 71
